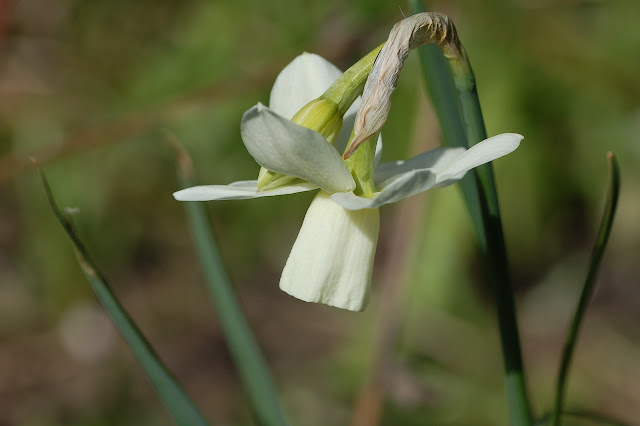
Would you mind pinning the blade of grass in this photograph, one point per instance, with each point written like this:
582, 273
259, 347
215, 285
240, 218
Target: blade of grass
452, 87
175, 399
246, 355
589, 284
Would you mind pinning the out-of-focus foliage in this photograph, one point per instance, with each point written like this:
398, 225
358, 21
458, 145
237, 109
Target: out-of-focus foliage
90, 87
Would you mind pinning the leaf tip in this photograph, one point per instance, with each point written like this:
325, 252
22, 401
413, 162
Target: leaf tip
614, 169
38, 167
612, 160
185, 165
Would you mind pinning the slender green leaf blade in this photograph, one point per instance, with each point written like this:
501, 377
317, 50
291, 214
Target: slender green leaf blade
175, 399
451, 85
589, 285
247, 357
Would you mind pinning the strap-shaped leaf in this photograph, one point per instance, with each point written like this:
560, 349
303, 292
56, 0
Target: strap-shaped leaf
180, 406
246, 355
589, 284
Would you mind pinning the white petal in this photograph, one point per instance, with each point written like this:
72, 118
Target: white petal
351, 201
433, 159
481, 153
281, 146
434, 169
240, 190
401, 179
393, 190
300, 82
332, 257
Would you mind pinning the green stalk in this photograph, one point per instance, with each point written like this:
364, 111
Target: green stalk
589, 284
482, 201
177, 402
494, 249
246, 355
346, 89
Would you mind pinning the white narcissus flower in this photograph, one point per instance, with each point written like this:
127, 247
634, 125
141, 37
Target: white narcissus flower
332, 258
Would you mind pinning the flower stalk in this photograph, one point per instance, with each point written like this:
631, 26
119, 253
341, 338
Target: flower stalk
492, 244
349, 86
481, 198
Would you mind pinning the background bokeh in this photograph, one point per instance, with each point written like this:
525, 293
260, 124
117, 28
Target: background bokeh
92, 87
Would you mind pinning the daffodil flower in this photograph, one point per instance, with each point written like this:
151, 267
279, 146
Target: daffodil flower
332, 258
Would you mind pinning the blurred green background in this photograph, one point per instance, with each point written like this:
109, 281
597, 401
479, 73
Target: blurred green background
91, 87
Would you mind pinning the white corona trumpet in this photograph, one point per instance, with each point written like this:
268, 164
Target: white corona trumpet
332, 258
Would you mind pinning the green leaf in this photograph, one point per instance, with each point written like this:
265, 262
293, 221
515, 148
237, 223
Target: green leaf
246, 355
589, 284
177, 402
455, 98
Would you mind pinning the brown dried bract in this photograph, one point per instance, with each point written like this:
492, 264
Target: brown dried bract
414, 31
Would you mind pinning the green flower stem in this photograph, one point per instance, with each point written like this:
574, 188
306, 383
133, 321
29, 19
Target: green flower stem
589, 284
245, 353
493, 246
177, 402
349, 86
453, 78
